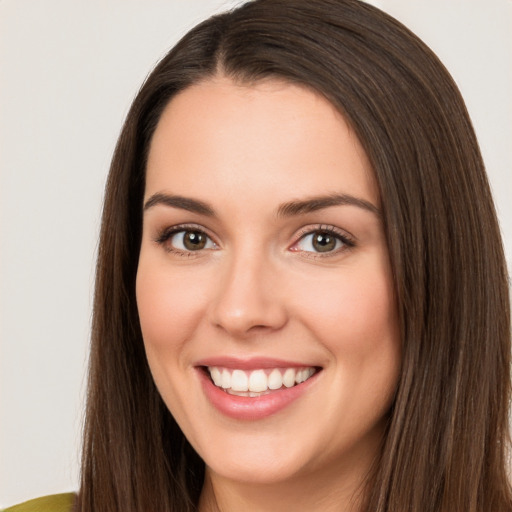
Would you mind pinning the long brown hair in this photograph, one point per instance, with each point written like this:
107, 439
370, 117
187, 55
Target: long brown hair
447, 438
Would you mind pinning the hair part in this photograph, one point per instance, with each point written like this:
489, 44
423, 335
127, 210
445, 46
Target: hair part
449, 424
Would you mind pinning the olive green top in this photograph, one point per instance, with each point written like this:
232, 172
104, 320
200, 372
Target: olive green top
54, 503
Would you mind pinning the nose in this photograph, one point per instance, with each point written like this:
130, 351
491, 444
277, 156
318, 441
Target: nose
248, 299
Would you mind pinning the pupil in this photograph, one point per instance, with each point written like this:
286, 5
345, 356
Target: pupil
323, 242
194, 240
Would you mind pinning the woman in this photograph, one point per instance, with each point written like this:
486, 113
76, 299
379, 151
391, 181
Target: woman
297, 210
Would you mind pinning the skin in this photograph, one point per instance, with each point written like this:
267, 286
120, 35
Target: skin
260, 288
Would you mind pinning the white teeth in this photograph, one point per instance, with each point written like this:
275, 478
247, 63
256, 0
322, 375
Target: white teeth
216, 376
254, 383
226, 379
289, 377
303, 375
258, 381
275, 379
239, 381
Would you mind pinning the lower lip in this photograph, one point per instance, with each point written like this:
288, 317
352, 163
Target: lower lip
252, 408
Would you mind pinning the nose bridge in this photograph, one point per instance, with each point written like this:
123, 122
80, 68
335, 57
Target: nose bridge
246, 299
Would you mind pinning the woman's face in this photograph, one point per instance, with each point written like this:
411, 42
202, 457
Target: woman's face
264, 286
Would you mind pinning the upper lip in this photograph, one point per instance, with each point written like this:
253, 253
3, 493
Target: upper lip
252, 363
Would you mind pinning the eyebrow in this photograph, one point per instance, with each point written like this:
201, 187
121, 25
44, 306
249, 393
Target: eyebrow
288, 209
184, 203
320, 202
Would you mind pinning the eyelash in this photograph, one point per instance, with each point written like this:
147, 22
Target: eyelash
167, 233
346, 240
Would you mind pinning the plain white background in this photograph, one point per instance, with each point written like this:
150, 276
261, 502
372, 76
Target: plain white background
68, 73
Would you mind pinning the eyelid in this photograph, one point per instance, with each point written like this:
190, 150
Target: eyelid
348, 240
163, 235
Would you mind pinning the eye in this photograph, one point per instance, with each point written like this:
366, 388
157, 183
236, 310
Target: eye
191, 241
322, 241
186, 240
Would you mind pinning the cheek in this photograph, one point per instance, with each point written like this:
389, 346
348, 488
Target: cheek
356, 313
356, 320
169, 306
169, 310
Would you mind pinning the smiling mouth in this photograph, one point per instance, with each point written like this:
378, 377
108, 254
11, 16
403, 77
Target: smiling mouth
258, 382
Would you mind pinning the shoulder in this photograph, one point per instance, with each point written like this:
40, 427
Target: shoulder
54, 503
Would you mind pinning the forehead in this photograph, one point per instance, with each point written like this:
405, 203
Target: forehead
273, 134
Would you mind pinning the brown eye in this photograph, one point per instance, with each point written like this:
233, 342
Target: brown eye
324, 242
194, 240
186, 240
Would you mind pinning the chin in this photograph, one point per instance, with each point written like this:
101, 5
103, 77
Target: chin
266, 470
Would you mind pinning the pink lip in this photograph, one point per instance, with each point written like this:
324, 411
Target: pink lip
254, 363
252, 408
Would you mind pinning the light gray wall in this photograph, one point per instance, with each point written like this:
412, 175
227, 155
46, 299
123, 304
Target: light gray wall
68, 72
